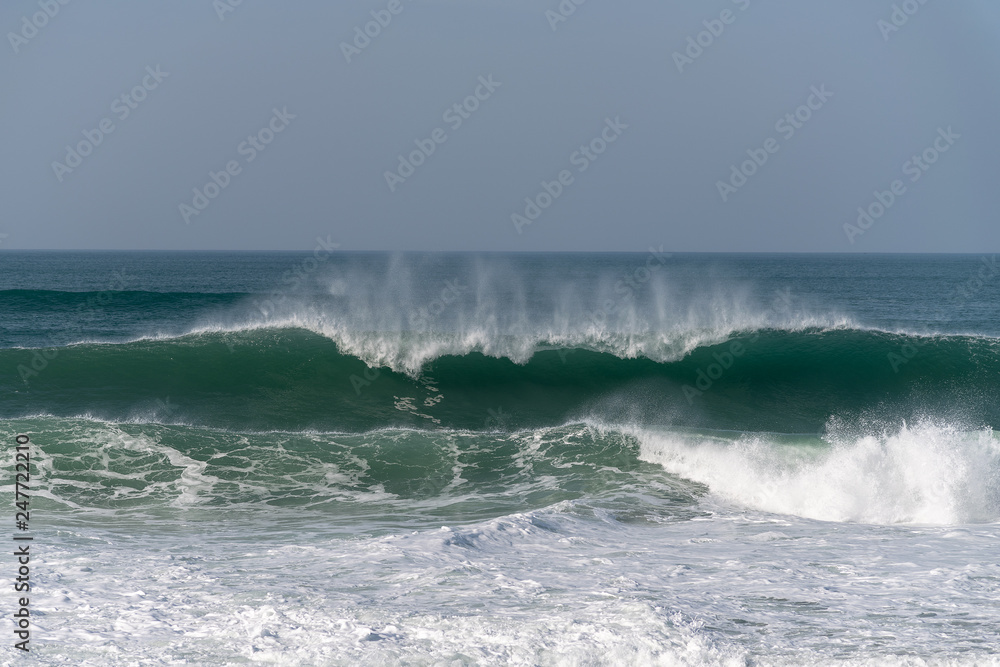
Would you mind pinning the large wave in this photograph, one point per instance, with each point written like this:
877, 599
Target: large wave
789, 381
404, 312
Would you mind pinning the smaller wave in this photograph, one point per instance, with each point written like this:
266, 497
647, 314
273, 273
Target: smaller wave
922, 474
115, 471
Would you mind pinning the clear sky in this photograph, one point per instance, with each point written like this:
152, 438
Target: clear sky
643, 126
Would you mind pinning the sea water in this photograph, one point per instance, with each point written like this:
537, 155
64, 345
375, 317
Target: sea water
554, 459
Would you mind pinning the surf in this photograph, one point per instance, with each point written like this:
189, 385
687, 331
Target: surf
788, 381
926, 473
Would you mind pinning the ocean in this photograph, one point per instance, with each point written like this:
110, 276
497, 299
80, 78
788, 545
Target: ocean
348, 458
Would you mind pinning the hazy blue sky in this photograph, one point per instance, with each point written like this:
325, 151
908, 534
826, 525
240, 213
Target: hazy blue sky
894, 93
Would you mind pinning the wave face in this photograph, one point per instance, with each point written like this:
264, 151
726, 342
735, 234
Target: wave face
293, 379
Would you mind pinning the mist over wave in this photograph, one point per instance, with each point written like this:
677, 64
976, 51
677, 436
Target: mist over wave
403, 319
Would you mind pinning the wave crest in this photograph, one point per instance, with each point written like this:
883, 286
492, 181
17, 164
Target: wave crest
922, 474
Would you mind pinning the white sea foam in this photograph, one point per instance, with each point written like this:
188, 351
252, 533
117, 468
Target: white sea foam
577, 580
921, 474
547, 587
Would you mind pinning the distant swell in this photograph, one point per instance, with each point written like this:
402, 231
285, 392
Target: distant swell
788, 381
28, 301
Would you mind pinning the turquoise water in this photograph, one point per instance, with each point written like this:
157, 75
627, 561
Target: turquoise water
507, 459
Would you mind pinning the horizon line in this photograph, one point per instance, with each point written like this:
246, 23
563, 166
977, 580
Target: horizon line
499, 252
